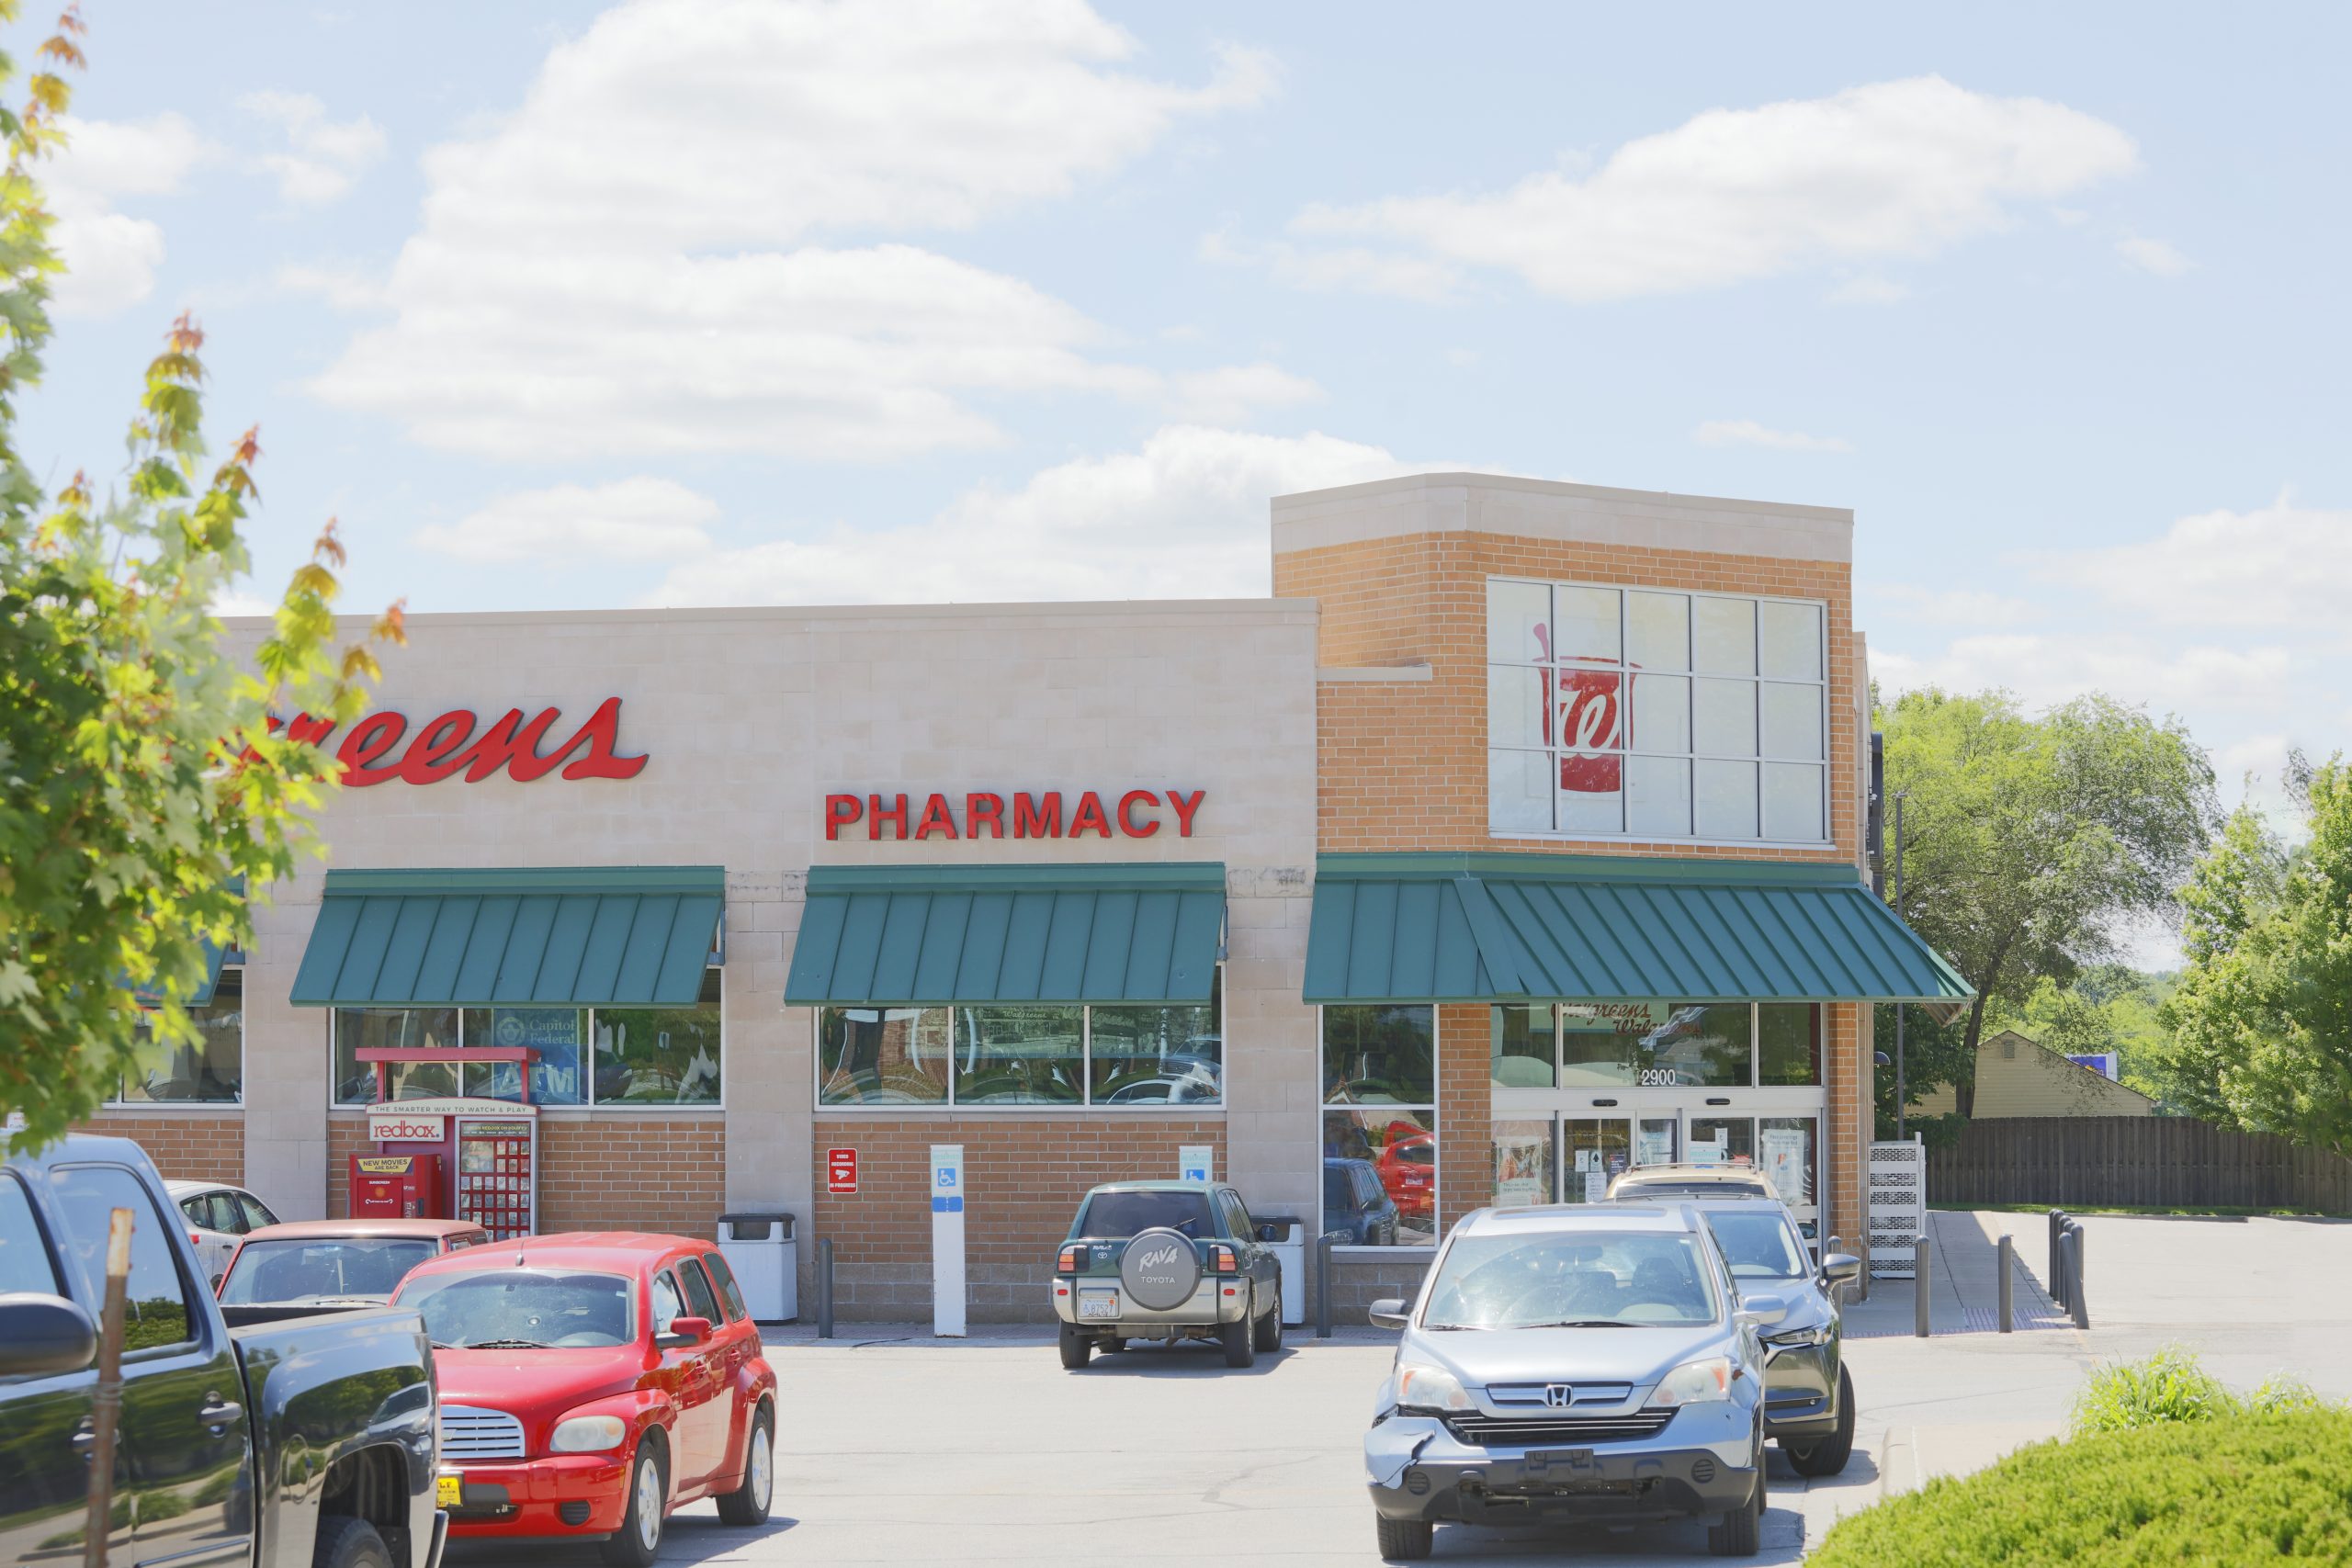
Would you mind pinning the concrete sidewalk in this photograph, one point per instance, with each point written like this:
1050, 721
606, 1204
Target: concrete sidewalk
1963, 1281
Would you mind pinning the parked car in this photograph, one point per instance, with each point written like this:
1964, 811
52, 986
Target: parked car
1808, 1392
1409, 1171
1663, 1183
1167, 1260
1573, 1362
221, 1214
1357, 1210
328, 1263
312, 1439
592, 1385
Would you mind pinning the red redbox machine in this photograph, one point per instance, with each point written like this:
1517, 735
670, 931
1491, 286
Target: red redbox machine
395, 1187
489, 1147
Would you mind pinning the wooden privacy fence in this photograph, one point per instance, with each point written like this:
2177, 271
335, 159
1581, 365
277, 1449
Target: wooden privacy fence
2162, 1161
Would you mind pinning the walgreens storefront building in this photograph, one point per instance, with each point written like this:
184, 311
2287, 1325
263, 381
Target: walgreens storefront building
1515, 840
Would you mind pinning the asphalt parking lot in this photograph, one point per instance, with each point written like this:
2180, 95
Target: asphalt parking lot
899, 1449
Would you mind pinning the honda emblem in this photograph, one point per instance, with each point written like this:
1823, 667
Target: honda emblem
1558, 1395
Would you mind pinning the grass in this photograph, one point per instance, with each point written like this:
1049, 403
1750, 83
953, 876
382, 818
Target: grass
2224, 1489
2171, 1388
2220, 1212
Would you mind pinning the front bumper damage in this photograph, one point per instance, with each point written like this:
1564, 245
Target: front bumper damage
1800, 1392
1703, 1463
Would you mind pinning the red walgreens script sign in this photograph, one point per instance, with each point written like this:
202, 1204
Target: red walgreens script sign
1137, 816
841, 1171
446, 747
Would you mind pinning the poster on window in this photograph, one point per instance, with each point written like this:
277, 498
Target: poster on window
1654, 1144
1707, 1148
1781, 1154
1596, 1186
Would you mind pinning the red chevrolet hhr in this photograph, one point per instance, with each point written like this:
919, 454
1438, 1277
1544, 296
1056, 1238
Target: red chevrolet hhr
592, 1382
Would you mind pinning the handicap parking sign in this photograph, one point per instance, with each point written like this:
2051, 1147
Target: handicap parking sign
947, 1176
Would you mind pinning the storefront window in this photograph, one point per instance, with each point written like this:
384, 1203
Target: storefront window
1379, 1056
1698, 1046
1722, 1140
558, 1034
883, 1056
1019, 1056
1523, 1047
660, 1055
1785, 1152
382, 1028
1601, 1041
1156, 1055
1788, 1043
1674, 716
210, 1071
1380, 1121
1523, 1162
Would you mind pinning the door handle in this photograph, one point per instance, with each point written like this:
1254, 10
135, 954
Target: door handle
219, 1413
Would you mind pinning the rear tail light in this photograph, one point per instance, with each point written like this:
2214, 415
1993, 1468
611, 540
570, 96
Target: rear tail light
1070, 1259
1225, 1262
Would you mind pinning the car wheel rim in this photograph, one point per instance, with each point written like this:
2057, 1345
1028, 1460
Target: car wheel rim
649, 1505
761, 1475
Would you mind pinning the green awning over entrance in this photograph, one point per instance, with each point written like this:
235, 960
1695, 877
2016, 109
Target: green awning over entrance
562, 936
943, 935
1485, 928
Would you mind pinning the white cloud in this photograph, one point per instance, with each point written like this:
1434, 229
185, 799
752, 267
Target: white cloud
2283, 568
1226, 395
1868, 288
343, 288
621, 265
1949, 606
639, 519
323, 157
2049, 668
111, 257
1748, 433
1322, 270
1184, 516
2152, 255
1892, 169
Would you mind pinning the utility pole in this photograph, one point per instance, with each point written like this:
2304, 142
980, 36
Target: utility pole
1900, 1087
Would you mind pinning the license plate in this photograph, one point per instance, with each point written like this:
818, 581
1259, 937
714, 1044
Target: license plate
1567, 1459
448, 1491
1098, 1304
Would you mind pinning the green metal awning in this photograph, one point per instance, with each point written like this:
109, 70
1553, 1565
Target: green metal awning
941, 935
1478, 928
562, 936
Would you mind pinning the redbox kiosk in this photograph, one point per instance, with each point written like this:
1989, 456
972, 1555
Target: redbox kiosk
395, 1187
489, 1148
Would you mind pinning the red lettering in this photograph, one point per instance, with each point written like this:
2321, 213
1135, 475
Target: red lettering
370, 742
1089, 817
304, 728
1127, 823
875, 816
602, 732
841, 810
984, 808
936, 819
1185, 809
435, 753
1042, 820
513, 745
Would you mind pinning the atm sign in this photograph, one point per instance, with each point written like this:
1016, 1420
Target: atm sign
841, 1171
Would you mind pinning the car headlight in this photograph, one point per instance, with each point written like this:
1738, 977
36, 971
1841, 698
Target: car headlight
1433, 1389
587, 1435
1703, 1382
1821, 1333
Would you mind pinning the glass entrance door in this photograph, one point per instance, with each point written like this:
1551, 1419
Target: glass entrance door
1592, 1150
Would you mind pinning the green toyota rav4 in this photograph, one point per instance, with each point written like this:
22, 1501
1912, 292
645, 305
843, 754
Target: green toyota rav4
1167, 1260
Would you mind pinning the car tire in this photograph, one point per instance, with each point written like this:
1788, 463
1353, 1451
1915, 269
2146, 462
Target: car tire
349, 1543
1827, 1456
638, 1541
1240, 1341
748, 1504
1269, 1337
1741, 1534
1405, 1541
1076, 1348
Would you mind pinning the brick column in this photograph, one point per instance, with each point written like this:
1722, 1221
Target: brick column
1846, 1063
1466, 1110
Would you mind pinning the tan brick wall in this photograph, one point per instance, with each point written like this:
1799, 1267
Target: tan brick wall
1024, 1177
347, 1135
1466, 1110
648, 1173
188, 1147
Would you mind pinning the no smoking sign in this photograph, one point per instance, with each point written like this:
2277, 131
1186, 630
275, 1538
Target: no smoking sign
841, 1171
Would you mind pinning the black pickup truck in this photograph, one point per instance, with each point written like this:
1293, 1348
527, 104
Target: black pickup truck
288, 1444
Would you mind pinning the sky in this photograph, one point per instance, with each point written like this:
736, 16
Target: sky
709, 301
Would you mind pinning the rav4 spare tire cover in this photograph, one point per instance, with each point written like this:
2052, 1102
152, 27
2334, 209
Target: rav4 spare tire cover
1159, 1270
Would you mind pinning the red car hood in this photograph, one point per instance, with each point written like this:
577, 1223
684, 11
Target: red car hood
537, 1386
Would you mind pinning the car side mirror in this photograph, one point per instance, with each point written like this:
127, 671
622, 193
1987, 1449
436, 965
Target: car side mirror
684, 1331
1763, 1311
41, 1334
1389, 1312
1840, 1268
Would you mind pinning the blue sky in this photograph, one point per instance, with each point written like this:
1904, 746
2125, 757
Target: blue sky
693, 302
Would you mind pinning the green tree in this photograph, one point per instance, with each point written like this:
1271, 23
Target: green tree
2262, 1023
139, 778
2030, 843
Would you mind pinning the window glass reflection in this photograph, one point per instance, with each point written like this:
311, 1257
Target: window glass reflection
883, 1056
1400, 1148
1165, 1056
1019, 1056
211, 1069
1379, 1056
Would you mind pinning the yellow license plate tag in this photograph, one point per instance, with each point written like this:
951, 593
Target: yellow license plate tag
448, 1491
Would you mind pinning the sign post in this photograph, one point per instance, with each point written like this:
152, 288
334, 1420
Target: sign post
947, 1240
1197, 1162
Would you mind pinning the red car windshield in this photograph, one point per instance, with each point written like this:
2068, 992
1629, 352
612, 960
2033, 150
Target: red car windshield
324, 1268
524, 1309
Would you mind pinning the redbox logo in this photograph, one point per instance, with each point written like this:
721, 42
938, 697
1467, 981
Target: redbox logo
401, 1130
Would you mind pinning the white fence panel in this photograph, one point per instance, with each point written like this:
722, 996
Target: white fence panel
1898, 1212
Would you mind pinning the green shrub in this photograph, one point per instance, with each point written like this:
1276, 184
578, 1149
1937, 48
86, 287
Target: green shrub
2238, 1489
2167, 1386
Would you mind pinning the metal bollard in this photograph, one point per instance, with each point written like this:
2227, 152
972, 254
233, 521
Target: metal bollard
2077, 1298
1322, 1287
2009, 1283
825, 1289
2054, 1277
1920, 1282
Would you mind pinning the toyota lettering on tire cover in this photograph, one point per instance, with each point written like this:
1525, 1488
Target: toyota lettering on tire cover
1159, 1270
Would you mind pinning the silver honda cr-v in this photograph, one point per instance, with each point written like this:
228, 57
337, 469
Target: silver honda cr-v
1573, 1362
